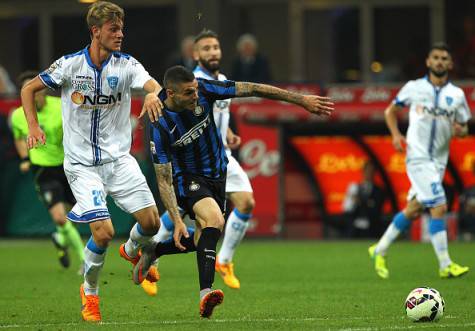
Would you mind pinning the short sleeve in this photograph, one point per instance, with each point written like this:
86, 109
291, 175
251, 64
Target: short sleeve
139, 76
462, 113
53, 77
159, 144
18, 123
216, 89
404, 96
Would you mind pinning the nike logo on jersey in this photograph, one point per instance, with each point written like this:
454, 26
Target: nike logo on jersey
173, 130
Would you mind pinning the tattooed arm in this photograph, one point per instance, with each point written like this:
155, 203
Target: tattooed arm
163, 173
312, 103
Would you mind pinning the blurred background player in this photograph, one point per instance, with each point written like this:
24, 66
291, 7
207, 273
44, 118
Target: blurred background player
238, 187
250, 65
363, 205
46, 164
438, 110
185, 56
96, 85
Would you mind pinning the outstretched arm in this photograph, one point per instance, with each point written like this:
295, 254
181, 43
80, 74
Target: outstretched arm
167, 194
36, 135
312, 103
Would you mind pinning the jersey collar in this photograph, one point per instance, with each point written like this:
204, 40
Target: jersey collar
89, 60
206, 72
426, 77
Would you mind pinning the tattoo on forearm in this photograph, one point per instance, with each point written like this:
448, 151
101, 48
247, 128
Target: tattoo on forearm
165, 186
245, 89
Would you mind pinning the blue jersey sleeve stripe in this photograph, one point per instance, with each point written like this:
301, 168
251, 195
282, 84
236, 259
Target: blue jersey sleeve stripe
216, 89
398, 102
74, 54
48, 81
160, 141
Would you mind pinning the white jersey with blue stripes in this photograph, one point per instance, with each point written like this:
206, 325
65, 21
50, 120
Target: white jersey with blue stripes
95, 104
432, 112
221, 110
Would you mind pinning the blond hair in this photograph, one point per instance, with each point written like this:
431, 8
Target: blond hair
103, 11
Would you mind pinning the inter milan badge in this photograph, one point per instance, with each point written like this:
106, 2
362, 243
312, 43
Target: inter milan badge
198, 110
113, 81
194, 186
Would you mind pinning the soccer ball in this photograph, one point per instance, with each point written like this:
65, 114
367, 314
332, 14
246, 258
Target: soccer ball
424, 304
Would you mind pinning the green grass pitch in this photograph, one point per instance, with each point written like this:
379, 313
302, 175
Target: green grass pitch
285, 285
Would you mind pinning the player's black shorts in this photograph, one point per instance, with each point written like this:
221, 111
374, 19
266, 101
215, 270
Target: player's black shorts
195, 188
52, 186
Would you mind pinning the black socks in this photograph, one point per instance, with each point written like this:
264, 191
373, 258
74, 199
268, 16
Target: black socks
206, 256
168, 247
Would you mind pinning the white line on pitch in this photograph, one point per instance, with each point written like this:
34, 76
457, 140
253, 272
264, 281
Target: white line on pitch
253, 320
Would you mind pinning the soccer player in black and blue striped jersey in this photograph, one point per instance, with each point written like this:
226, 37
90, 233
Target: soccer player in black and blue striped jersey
190, 164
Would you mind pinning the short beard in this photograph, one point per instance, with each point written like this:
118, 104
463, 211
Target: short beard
439, 74
210, 67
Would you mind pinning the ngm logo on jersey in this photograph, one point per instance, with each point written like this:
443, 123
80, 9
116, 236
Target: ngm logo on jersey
420, 109
95, 101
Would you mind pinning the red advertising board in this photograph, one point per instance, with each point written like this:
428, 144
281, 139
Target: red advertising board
335, 160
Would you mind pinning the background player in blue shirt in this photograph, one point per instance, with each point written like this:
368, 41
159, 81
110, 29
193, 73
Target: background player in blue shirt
190, 164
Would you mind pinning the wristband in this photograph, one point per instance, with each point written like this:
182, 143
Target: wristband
26, 158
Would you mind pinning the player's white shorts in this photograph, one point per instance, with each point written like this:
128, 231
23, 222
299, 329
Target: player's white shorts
121, 179
236, 178
426, 183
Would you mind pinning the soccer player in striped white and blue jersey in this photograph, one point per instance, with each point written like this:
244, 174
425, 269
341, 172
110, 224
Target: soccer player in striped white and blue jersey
191, 163
96, 85
438, 110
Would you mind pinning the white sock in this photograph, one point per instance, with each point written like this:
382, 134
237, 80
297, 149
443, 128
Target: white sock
236, 227
137, 239
391, 233
93, 261
162, 234
441, 248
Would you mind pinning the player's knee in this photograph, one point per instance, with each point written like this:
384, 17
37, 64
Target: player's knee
413, 214
58, 214
246, 205
439, 211
413, 210
103, 236
151, 227
149, 220
216, 220
59, 219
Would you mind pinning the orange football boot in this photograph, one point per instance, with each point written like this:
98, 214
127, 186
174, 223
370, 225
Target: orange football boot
90, 306
209, 302
152, 275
